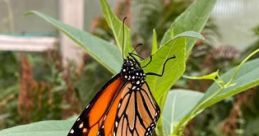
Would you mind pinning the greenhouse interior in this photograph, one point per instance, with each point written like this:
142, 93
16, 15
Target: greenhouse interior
129, 67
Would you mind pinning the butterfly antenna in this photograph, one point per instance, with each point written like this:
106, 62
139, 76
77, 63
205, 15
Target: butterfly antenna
123, 35
163, 70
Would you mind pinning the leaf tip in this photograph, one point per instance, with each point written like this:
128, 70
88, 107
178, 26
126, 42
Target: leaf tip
30, 12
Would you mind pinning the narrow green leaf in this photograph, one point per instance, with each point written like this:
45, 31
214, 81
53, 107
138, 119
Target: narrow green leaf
193, 19
211, 76
103, 52
154, 43
178, 103
43, 128
116, 25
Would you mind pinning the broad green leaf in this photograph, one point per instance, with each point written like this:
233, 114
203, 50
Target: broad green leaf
103, 52
178, 103
247, 77
193, 18
43, 128
173, 69
116, 25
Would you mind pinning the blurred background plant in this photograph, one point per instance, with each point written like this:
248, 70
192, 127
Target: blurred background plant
39, 85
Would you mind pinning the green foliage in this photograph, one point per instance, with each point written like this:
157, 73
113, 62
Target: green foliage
8, 69
193, 19
42, 94
181, 105
247, 78
174, 70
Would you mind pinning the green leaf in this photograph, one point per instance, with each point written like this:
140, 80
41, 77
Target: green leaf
43, 128
247, 77
124, 43
211, 76
190, 34
174, 68
103, 52
187, 34
193, 19
173, 71
178, 103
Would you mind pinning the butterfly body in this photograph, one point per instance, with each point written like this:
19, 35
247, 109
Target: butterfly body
123, 107
133, 73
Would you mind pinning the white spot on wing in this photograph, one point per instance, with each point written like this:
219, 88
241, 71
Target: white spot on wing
87, 106
81, 125
116, 124
72, 131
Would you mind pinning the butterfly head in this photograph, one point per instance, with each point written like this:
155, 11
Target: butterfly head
132, 71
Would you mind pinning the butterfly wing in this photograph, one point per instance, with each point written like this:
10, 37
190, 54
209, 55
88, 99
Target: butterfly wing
137, 114
88, 123
117, 110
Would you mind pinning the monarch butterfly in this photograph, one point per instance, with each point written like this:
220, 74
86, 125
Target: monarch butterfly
123, 107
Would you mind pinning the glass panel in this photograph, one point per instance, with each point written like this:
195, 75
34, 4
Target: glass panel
235, 20
92, 11
13, 20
